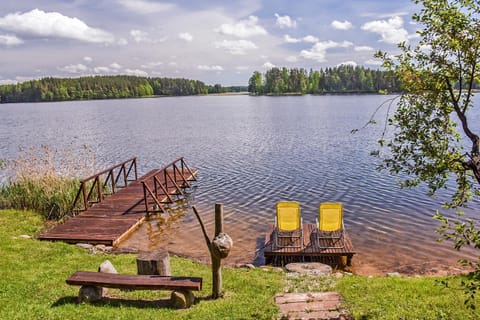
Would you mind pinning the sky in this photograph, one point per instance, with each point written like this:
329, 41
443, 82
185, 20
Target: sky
214, 41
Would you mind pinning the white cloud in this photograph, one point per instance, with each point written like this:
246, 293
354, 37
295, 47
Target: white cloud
9, 40
390, 30
268, 65
241, 68
373, 62
285, 21
310, 39
39, 23
185, 36
243, 28
122, 42
289, 39
348, 63
209, 68
88, 59
115, 66
151, 65
145, 7
75, 68
236, 47
140, 36
363, 48
319, 51
102, 70
342, 25
7, 81
136, 72
291, 59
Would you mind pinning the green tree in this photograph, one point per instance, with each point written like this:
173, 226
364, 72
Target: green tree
433, 141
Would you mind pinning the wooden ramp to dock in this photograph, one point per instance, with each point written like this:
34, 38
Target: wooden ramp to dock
312, 248
108, 219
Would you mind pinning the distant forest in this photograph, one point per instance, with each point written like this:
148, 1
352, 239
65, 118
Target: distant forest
276, 81
341, 79
105, 87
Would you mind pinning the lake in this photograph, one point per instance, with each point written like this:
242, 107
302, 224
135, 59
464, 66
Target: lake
250, 152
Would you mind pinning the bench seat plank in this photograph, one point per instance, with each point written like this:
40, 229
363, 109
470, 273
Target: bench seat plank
135, 282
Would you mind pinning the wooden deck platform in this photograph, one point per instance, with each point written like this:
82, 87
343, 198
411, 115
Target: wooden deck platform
113, 219
312, 249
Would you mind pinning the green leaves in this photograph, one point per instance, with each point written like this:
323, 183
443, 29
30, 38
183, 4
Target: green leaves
431, 126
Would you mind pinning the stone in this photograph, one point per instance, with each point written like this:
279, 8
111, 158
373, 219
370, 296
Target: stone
84, 245
393, 274
100, 247
221, 245
310, 268
182, 299
107, 267
90, 294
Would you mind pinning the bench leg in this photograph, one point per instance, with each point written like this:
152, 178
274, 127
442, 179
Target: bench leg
90, 294
182, 299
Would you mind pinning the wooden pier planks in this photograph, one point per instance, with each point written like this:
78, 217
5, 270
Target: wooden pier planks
311, 247
111, 220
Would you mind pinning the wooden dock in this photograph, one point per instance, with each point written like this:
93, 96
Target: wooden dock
312, 249
108, 219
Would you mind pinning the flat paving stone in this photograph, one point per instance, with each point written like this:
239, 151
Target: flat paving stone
310, 268
311, 305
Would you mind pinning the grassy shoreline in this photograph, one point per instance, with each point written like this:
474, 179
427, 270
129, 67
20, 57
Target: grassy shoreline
33, 273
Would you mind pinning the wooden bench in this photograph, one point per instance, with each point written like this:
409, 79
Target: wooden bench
137, 282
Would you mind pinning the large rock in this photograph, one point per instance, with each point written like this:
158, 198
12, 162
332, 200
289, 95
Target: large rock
107, 267
182, 299
310, 268
90, 294
221, 245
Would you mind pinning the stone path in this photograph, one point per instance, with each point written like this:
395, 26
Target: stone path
309, 305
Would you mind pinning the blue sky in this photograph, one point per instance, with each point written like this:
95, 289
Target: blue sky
212, 41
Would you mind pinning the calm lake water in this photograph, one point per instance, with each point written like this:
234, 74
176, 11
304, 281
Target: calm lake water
250, 152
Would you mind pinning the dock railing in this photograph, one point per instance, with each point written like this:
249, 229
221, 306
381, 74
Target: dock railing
169, 181
95, 188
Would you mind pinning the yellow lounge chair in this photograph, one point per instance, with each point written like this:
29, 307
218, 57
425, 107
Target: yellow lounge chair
330, 225
288, 225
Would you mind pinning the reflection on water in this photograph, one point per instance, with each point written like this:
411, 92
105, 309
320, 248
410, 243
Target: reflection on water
250, 152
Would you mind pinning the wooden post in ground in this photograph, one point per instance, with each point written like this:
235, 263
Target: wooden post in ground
219, 248
216, 259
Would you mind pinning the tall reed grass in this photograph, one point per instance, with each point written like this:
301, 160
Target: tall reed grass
45, 180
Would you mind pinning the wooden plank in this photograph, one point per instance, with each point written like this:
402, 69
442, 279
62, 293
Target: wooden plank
312, 246
135, 282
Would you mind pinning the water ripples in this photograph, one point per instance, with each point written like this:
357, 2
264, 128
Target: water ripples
251, 152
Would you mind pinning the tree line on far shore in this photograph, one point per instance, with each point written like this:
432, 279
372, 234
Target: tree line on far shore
105, 87
341, 79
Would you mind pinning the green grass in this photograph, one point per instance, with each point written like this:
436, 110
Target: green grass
33, 273
404, 298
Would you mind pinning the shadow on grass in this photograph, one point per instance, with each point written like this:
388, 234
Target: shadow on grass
119, 302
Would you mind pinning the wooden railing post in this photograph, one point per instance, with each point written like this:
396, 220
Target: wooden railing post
99, 189
113, 181
135, 164
84, 192
145, 198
